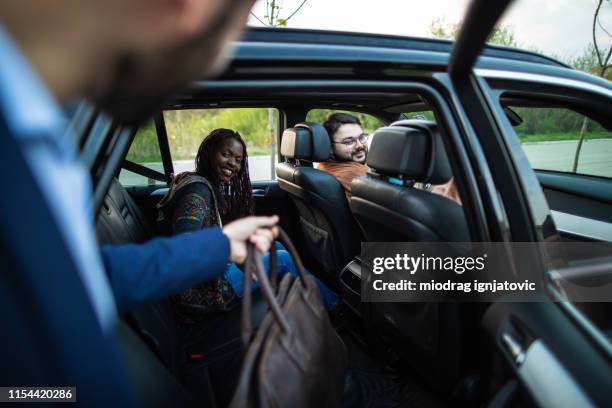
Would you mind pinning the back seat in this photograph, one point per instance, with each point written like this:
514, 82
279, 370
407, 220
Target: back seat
203, 365
120, 221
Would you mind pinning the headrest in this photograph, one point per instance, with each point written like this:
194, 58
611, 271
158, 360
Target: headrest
412, 149
306, 141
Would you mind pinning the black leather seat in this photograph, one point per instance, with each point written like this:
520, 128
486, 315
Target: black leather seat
386, 205
331, 235
426, 336
120, 220
211, 379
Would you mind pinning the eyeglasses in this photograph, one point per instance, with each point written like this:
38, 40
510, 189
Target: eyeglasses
352, 141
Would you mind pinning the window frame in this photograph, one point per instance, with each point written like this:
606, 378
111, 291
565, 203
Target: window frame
144, 171
166, 149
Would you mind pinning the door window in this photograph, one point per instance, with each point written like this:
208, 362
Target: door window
560, 139
258, 127
145, 152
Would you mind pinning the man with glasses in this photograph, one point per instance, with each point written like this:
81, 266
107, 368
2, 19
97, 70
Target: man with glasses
349, 149
349, 152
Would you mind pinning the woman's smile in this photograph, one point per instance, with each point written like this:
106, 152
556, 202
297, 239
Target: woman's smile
228, 159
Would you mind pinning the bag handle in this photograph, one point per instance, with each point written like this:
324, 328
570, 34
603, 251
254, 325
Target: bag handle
254, 264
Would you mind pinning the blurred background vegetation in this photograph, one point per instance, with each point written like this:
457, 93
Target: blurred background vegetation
554, 124
187, 128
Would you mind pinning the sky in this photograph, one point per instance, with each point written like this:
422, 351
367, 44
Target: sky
555, 27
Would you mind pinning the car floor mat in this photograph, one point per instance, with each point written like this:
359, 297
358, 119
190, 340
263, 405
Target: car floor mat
382, 388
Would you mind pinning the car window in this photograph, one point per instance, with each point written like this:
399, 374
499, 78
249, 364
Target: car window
560, 139
145, 152
258, 127
369, 123
429, 115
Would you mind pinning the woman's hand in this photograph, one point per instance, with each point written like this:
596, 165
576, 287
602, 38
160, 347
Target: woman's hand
259, 231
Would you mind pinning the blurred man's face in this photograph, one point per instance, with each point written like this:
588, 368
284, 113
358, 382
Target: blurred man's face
350, 143
144, 77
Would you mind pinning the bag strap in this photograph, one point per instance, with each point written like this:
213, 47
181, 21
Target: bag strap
254, 265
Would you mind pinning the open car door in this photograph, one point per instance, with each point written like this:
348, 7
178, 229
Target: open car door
552, 354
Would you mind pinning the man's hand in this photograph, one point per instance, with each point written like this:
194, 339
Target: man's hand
259, 231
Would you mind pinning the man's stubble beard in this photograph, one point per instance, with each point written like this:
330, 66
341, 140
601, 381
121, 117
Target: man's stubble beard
137, 91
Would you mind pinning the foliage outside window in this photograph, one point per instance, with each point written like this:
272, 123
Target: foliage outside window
187, 128
369, 123
144, 151
428, 115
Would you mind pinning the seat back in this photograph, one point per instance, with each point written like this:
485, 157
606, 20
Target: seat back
330, 233
120, 221
427, 336
385, 202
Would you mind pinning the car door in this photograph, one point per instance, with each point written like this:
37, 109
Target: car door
555, 354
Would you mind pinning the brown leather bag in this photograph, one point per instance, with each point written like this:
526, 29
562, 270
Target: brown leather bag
296, 359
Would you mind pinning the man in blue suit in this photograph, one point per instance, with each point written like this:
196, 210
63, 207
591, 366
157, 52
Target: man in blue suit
58, 295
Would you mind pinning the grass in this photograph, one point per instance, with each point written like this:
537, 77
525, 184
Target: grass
557, 137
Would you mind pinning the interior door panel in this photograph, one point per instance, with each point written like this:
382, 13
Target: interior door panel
556, 362
581, 205
270, 199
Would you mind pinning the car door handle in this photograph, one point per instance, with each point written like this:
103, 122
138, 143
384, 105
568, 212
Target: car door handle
258, 192
513, 347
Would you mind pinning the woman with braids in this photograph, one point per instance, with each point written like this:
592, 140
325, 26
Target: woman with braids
218, 192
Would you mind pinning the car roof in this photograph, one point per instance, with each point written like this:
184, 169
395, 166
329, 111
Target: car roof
430, 47
293, 52
296, 55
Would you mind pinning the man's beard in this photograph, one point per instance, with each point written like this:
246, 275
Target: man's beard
358, 153
129, 101
350, 157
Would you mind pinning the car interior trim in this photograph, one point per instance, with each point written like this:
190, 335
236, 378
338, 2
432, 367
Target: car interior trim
582, 227
601, 88
535, 372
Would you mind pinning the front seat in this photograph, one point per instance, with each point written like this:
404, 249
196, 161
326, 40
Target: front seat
389, 208
330, 232
385, 203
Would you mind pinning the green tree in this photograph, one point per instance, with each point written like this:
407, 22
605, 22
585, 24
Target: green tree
369, 123
602, 59
272, 17
502, 35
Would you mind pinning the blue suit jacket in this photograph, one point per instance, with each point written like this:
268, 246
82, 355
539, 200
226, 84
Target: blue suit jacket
50, 333
164, 266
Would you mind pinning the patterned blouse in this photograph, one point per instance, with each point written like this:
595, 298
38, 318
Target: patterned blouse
190, 205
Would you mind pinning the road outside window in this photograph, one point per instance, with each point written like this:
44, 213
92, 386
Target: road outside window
560, 139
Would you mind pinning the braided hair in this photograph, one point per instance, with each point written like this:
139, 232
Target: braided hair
235, 200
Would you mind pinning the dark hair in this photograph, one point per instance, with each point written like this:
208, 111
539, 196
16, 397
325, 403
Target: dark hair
238, 201
335, 120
